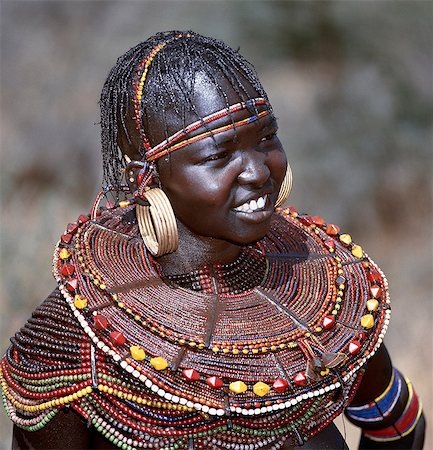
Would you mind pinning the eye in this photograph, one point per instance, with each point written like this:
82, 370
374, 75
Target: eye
268, 137
217, 156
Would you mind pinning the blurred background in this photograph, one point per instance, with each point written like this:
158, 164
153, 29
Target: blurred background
351, 85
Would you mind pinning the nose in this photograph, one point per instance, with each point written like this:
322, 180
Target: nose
254, 171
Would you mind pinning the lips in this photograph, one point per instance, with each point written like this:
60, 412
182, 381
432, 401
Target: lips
253, 205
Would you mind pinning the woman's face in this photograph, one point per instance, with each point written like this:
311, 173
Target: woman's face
225, 187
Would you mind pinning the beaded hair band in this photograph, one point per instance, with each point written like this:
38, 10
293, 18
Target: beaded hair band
179, 140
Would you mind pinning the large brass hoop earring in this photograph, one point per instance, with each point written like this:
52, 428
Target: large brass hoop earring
157, 223
286, 187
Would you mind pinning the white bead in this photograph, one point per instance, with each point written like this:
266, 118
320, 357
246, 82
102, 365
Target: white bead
190, 404
148, 383
91, 334
116, 357
142, 378
293, 402
123, 364
161, 392
275, 407
136, 373
197, 406
205, 408
154, 388
212, 411
183, 401
304, 396
269, 408
168, 396
311, 394
100, 344
175, 399
245, 412
220, 412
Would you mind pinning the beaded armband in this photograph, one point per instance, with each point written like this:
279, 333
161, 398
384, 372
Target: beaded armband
383, 406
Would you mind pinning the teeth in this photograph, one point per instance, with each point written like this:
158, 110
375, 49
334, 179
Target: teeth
261, 202
252, 205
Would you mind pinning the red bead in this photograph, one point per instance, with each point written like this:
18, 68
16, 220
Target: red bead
354, 347
374, 276
375, 291
83, 219
117, 338
330, 243
317, 220
214, 382
361, 335
191, 374
72, 228
332, 229
72, 284
140, 177
328, 322
280, 385
100, 322
292, 209
66, 238
300, 379
306, 219
67, 270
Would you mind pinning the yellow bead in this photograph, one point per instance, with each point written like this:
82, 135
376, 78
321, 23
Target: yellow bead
225, 350
324, 372
89, 389
357, 251
372, 304
238, 387
137, 352
367, 321
124, 203
64, 253
318, 329
255, 351
346, 239
261, 389
235, 351
215, 349
80, 302
159, 363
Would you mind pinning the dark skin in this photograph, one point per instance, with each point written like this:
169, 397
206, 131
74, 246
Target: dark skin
206, 182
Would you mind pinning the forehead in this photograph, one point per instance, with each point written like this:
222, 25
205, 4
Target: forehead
208, 95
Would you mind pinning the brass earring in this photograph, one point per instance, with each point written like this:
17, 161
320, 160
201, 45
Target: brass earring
157, 223
154, 212
286, 187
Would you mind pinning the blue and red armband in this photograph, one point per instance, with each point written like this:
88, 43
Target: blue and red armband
385, 408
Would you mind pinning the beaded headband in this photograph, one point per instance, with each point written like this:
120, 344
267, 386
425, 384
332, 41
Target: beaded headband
179, 139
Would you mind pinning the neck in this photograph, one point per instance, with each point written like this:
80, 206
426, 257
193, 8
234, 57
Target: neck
196, 251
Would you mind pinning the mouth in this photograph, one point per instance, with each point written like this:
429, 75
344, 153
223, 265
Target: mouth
254, 205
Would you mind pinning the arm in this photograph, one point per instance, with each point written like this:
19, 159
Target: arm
392, 414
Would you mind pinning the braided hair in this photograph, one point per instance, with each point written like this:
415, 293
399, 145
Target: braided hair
176, 58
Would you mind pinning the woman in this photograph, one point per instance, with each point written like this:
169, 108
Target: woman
188, 313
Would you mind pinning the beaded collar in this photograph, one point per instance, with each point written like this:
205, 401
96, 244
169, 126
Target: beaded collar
286, 349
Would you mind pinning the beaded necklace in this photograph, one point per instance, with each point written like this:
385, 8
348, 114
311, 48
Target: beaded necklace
211, 359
